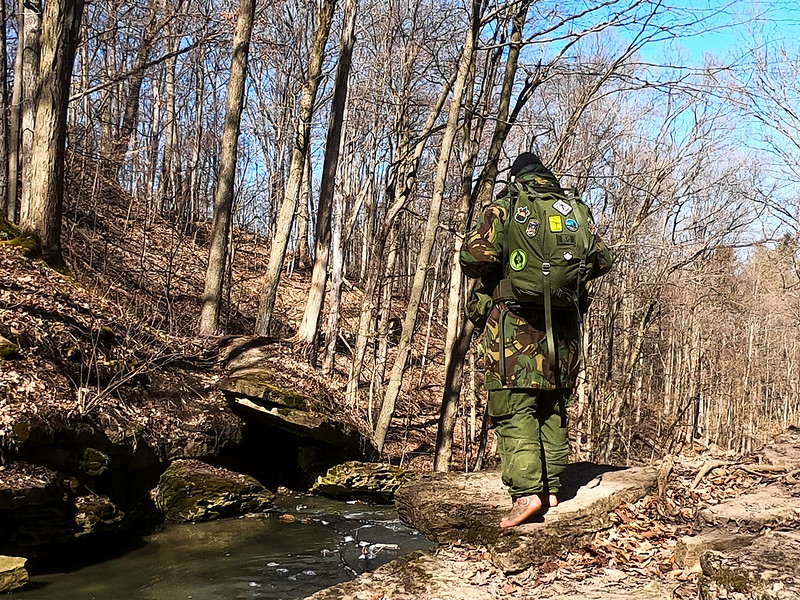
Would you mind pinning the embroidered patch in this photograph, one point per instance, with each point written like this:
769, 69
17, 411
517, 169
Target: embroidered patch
571, 224
592, 228
567, 255
518, 259
533, 228
563, 207
523, 212
556, 224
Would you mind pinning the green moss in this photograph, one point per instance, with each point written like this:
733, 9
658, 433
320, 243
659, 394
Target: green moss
31, 247
731, 580
8, 350
22, 431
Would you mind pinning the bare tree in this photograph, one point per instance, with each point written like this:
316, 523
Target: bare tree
280, 241
41, 214
223, 198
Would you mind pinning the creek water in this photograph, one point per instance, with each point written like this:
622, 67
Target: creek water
251, 557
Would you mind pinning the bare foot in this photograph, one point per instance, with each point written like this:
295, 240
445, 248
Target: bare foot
524, 508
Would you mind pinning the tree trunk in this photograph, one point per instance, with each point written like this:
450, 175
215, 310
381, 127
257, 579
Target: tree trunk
42, 215
303, 249
3, 110
404, 347
223, 197
280, 241
400, 191
15, 124
31, 51
307, 333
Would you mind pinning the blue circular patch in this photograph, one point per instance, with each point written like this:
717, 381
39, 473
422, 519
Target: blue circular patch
571, 224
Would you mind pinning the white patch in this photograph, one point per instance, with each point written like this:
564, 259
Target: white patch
563, 207
567, 255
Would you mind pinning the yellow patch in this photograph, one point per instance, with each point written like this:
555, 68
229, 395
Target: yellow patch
556, 224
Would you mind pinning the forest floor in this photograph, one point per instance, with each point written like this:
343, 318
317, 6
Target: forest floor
129, 314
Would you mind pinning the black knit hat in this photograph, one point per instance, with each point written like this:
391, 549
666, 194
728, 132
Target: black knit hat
526, 159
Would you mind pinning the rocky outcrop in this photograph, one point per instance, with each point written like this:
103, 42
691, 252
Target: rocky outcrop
469, 507
377, 482
12, 573
769, 569
40, 509
772, 507
255, 395
190, 490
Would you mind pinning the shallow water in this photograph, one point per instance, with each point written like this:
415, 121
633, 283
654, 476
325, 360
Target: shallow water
251, 557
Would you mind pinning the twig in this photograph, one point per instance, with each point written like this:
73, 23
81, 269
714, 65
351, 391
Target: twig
792, 478
707, 468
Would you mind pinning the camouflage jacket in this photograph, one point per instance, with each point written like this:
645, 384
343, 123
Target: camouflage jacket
518, 332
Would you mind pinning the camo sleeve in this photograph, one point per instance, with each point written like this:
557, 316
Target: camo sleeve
601, 259
482, 252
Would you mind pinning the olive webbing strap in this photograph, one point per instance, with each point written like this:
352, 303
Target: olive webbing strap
548, 324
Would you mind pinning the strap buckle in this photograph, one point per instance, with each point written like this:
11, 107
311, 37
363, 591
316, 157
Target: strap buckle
546, 269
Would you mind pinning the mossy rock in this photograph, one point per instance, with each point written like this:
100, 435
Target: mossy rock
361, 480
96, 514
8, 349
191, 490
94, 462
768, 569
14, 237
258, 385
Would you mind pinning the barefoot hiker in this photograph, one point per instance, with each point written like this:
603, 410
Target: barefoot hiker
534, 248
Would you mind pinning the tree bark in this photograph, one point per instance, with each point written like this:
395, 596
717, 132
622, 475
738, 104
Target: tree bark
404, 347
31, 51
15, 124
280, 241
223, 197
309, 326
3, 110
42, 214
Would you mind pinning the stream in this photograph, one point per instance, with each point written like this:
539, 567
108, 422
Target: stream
261, 556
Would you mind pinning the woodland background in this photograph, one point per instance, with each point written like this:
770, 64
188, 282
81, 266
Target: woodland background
262, 159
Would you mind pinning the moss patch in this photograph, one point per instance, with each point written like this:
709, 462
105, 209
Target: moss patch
731, 580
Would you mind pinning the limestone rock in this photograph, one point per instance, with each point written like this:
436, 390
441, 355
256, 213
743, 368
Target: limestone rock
371, 481
258, 384
8, 349
12, 573
772, 507
190, 490
690, 549
313, 426
769, 569
96, 514
469, 507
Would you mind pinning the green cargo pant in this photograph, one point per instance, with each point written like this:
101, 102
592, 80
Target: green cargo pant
531, 437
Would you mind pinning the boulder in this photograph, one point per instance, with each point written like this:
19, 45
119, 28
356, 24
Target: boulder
190, 490
36, 509
12, 573
690, 549
363, 481
259, 385
8, 349
469, 507
772, 507
769, 569
96, 514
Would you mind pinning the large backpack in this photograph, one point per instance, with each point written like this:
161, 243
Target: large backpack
549, 239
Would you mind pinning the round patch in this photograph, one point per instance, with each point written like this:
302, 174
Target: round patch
571, 224
518, 260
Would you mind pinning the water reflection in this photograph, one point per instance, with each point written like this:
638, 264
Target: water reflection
251, 557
